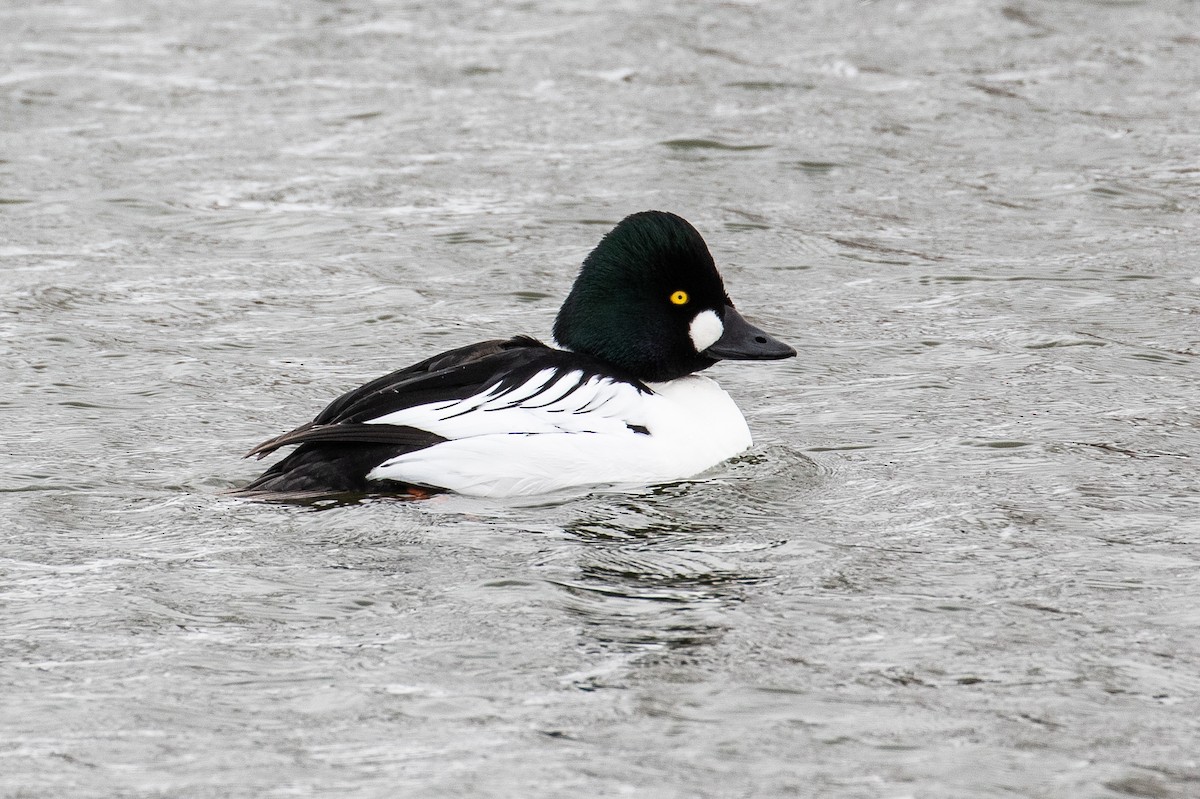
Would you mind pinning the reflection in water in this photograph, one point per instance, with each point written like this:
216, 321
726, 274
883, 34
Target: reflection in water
659, 569
648, 580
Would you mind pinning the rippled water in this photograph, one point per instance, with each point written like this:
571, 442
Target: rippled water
960, 561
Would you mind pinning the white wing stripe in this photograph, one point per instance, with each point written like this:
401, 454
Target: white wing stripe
579, 382
566, 402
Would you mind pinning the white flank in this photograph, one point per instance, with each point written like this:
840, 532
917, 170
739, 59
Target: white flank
705, 329
542, 437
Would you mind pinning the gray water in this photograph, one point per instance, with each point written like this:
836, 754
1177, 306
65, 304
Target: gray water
960, 560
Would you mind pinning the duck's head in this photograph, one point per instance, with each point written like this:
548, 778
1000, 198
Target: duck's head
649, 300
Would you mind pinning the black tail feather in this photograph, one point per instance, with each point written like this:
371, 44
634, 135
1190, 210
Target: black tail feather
335, 459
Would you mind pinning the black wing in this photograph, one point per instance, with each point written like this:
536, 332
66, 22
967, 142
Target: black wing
338, 448
342, 407
453, 374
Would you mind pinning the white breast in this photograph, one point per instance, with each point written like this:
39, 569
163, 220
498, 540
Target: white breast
532, 440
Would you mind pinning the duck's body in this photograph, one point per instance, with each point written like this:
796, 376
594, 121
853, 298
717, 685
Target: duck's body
515, 417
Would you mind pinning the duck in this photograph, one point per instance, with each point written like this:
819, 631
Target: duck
617, 401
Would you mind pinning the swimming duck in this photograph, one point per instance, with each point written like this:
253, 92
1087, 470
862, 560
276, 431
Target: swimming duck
617, 402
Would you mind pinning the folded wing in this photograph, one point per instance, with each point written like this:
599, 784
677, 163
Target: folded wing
495, 388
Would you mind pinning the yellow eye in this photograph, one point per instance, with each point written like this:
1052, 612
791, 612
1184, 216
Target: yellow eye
679, 298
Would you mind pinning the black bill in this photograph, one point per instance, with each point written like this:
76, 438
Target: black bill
742, 341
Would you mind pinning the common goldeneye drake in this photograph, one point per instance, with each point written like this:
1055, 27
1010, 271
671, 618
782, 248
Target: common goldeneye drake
619, 403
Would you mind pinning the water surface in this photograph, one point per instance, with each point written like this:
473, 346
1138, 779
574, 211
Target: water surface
960, 560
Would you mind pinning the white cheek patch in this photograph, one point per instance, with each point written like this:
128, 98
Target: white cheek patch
705, 329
